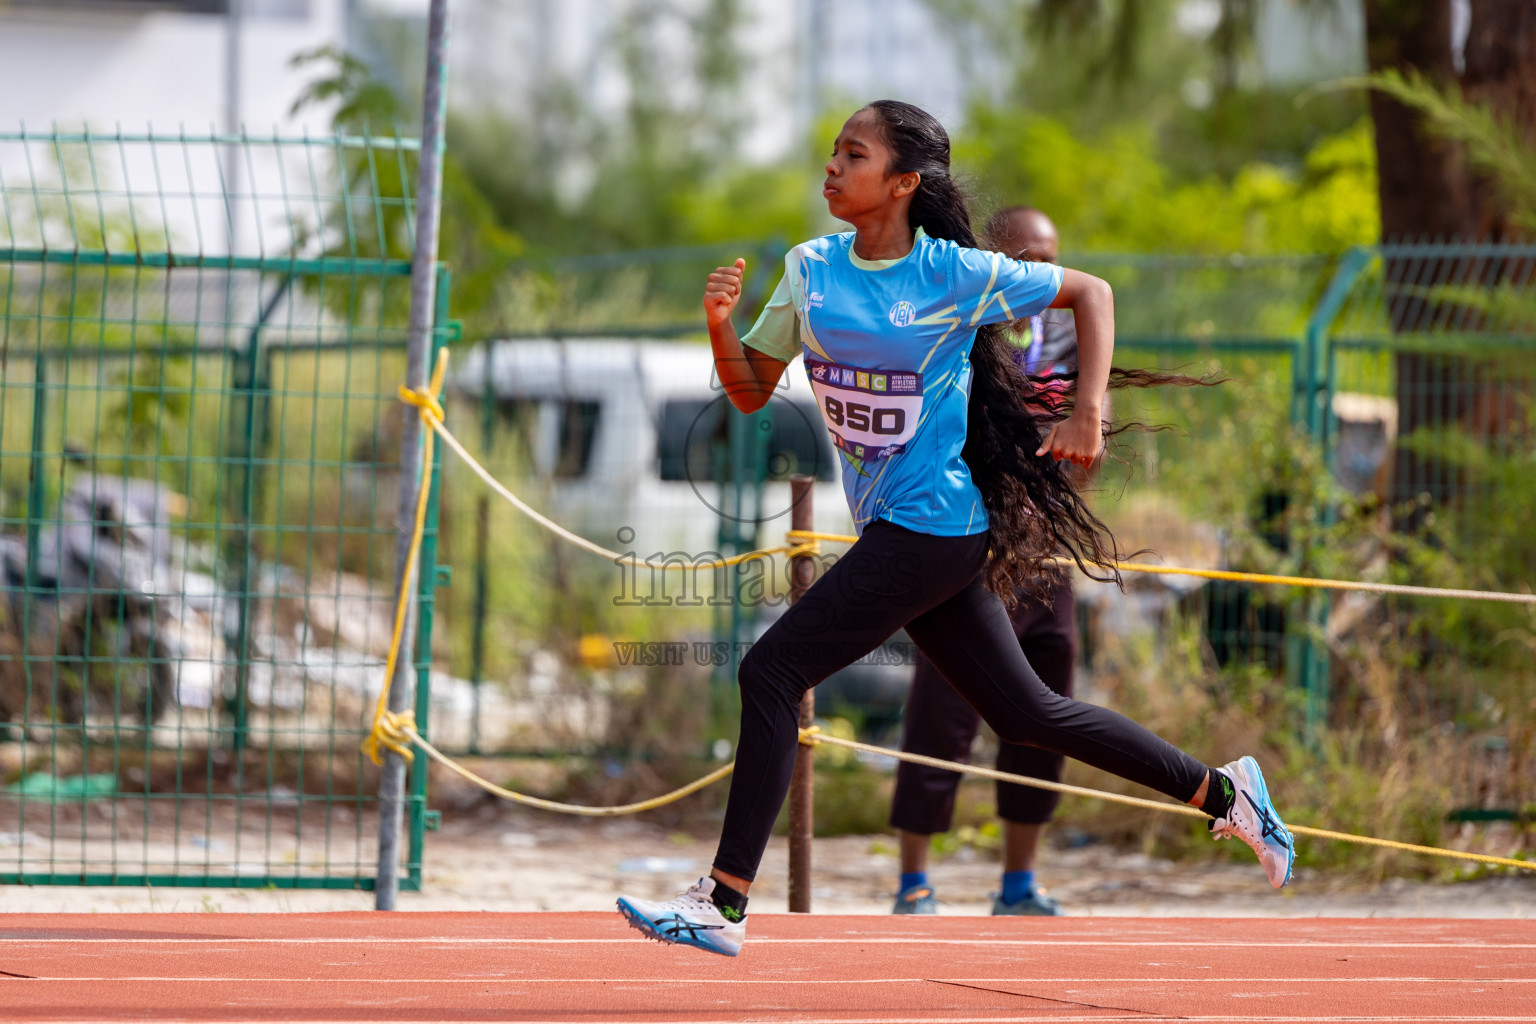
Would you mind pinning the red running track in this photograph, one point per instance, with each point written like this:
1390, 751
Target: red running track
591, 967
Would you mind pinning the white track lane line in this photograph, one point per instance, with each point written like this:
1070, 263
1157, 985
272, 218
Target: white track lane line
636, 1018
1363, 944
506, 980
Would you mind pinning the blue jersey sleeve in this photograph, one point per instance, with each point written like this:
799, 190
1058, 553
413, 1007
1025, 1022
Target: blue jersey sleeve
990, 288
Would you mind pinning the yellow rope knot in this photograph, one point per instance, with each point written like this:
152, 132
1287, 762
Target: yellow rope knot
810, 737
426, 401
392, 730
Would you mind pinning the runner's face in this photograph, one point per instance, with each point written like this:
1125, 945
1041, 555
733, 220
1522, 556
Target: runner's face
858, 180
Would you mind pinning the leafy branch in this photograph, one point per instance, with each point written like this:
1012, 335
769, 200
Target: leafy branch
1494, 144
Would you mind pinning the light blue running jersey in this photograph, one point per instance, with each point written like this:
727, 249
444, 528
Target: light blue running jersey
887, 349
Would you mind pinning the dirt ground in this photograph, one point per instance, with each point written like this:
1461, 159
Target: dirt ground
514, 862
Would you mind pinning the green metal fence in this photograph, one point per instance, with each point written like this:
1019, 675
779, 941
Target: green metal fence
1431, 382
198, 452
197, 485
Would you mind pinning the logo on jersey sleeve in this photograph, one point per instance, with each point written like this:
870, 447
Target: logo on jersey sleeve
870, 414
903, 313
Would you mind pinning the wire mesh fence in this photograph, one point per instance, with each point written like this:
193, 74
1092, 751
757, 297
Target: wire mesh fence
198, 470
198, 445
1432, 384
1210, 482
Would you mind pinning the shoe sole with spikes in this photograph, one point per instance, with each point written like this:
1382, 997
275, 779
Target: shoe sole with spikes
674, 929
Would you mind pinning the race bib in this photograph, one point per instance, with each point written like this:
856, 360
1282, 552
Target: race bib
870, 413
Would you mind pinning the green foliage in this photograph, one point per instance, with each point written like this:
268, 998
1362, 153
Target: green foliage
1130, 63
573, 181
363, 102
1495, 144
1113, 192
851, 800
375, 217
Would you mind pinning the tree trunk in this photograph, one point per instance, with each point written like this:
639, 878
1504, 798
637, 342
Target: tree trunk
1429, 192
1427, 189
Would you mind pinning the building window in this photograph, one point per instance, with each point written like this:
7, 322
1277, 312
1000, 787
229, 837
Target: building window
554, 436
693, 441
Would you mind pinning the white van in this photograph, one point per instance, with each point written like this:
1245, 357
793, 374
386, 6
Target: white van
623, 433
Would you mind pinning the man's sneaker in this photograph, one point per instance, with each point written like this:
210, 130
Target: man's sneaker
916, 900
691, 919
1038, 903
1253, 819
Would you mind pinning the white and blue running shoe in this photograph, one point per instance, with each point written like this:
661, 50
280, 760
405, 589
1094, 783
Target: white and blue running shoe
691, 919
1253, 819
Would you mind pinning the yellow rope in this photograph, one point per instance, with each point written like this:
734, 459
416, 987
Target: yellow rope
815, 736
396, 731
389, 727
792, 549
560, 808
1250, 577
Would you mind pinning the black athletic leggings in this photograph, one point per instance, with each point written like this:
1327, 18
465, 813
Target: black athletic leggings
895, 577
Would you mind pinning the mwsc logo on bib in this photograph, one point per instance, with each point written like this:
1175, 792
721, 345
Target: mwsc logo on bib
903, 313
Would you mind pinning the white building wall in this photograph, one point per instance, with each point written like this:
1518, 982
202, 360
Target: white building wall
79, 66
73, 64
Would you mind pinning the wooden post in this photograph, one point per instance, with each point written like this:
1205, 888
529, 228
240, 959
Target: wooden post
802, 573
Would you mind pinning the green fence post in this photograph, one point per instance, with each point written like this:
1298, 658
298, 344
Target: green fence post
1309, 654
748, 446
37, 497
482, 550
1318, 398
426, 607
241, 548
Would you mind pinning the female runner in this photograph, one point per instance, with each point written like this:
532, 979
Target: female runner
955, 496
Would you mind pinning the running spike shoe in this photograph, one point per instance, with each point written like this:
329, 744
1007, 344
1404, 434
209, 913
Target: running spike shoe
690, 919
1253, 819
1038, 903
917, 900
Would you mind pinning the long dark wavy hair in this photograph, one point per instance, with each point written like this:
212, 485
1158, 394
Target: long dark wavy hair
1034, 506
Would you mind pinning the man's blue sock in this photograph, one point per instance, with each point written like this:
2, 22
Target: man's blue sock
1017, 885
913, 879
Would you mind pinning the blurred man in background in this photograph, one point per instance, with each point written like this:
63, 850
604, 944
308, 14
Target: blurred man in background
939, 723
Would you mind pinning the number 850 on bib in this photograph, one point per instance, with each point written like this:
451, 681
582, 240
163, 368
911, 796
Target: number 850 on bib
870, 413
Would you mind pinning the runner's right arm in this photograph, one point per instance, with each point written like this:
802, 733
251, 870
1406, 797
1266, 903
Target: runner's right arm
747, 373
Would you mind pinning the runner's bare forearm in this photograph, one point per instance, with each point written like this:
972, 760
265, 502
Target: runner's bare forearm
1092, 302
747, 375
